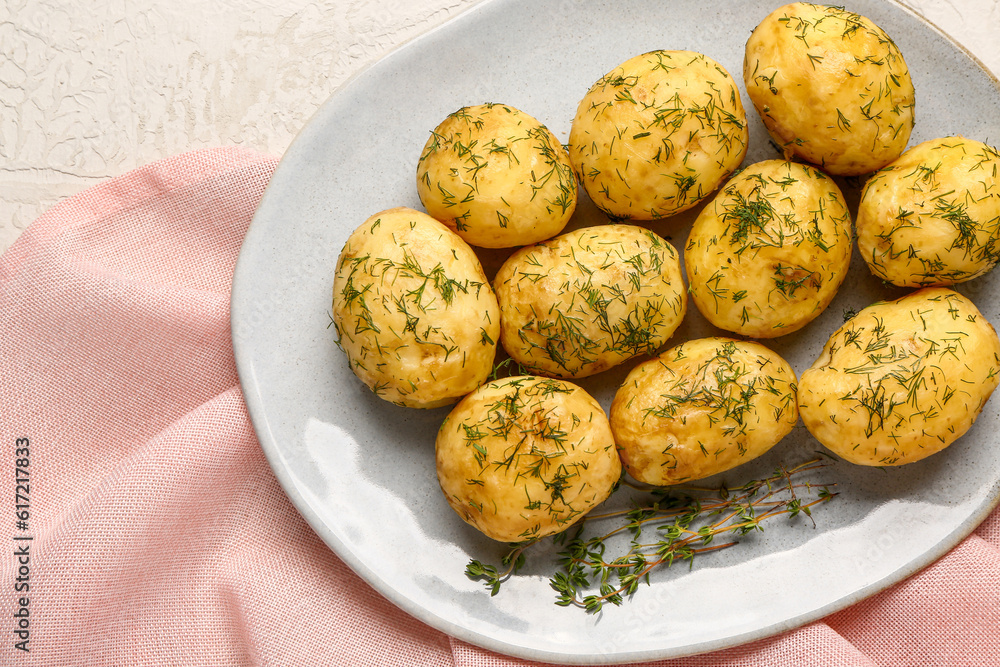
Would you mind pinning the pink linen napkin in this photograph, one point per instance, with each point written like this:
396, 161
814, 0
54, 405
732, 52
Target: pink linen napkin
154, 532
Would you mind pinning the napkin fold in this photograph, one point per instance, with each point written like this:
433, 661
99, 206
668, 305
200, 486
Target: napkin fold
153, 531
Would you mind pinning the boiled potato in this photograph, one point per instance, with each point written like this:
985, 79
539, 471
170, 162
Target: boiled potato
525, 457
831, 87
658, 134
768, 254
932, 217
413, 310
701, 408
497, 177
589, 299
901, 380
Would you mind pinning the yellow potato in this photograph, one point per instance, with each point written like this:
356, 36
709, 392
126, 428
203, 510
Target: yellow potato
589, 299
701, 408
768, 254
932, 217
901, 380
831, 87
497, 177
658, 134
525, 457
413, 310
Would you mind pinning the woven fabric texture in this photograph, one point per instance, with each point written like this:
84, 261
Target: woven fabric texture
158, 533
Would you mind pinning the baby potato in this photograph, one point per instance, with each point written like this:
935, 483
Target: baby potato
932, 216
497, 177
701, 408
658, 134
524, 457
589, 299
831, 87
902, 379
768, 254
413, 310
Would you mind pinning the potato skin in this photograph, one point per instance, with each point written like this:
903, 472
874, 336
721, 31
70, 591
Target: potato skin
413, 310
657, 134
497, 176
932, 216
525, 457
702, 407
902, 379
769, 253
831, 87
589, 299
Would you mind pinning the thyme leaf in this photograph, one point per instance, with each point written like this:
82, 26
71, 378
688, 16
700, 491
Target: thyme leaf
683, 523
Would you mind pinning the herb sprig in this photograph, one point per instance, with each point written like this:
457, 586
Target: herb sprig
684, 522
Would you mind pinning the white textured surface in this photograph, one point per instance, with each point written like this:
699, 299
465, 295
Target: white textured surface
89, 90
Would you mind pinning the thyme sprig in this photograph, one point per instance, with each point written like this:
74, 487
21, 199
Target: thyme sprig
684, 521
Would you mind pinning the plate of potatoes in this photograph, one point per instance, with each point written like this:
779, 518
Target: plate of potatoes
548, 251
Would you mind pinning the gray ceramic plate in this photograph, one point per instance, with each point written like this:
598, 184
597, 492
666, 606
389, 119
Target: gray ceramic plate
361, 471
